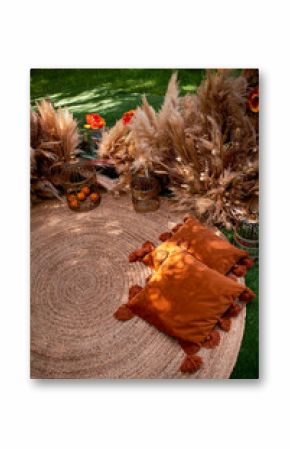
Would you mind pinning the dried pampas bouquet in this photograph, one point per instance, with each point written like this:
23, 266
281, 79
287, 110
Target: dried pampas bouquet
54, 138
220, 176
205, 143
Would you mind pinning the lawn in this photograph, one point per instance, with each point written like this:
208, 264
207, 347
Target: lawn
110, 92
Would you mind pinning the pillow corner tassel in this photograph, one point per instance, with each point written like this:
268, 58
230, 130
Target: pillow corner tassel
225, 324
176, 227
212, 340
247, 296
241, 268
123, 313
134, 290
165, 236
140, 253
191, 364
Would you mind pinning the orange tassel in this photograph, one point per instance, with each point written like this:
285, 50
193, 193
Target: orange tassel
212, 340
247, 296
240, 270
148, 247
191, 364
233, 311
165, 236
247, 261
189, 348
132, 257
134, 290
148, 261
123, 313
176, 227
225, 324
140, 253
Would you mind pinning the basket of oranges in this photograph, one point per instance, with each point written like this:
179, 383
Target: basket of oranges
80, 185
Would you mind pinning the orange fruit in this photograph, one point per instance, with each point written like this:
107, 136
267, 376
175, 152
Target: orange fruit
94, 197
81, 196
70, 197
74, 204
86, 190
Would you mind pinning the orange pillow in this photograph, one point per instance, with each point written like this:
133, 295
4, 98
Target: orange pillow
186, 299
216, 252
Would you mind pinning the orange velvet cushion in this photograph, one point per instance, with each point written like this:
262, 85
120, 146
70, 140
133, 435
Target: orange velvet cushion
216, 252
185, 298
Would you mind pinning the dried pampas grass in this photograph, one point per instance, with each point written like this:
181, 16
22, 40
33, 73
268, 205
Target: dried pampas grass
54, 137
205, 143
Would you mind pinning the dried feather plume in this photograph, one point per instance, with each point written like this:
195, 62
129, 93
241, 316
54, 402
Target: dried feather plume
54, 138
206, 143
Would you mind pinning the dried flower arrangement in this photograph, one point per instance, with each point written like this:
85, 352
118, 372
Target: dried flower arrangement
206, 143
54, 138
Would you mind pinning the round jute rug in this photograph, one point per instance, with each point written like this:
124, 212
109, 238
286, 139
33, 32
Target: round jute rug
80, 275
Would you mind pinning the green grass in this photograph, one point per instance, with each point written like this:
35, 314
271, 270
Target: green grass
110, 92
247, 366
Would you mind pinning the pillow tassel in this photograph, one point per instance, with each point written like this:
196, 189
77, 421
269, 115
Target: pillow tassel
176, 227
165, 236
148, 261
233, 311
191, 364
212, 340
134, 290
225, 324
240, 270
140, 253
189, 348
247, 261
247, 296
123, 313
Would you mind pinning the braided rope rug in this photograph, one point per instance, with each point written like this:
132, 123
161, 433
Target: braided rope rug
80, 275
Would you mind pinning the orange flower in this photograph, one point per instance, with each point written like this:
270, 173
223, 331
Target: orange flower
253, 100
95, 121
127, 116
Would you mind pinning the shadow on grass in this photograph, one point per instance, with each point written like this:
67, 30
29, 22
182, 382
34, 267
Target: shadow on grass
109, 92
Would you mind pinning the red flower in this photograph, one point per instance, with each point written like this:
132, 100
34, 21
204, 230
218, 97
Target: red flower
95, 121
253, 100
127, 116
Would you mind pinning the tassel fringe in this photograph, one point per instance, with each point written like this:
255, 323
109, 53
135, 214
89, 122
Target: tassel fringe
240, 270
191, 364
176, 227
134, 290
233, 311
212, 340
123, 313
225, 324
140, 253
247, 296
165, 236
190, 348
